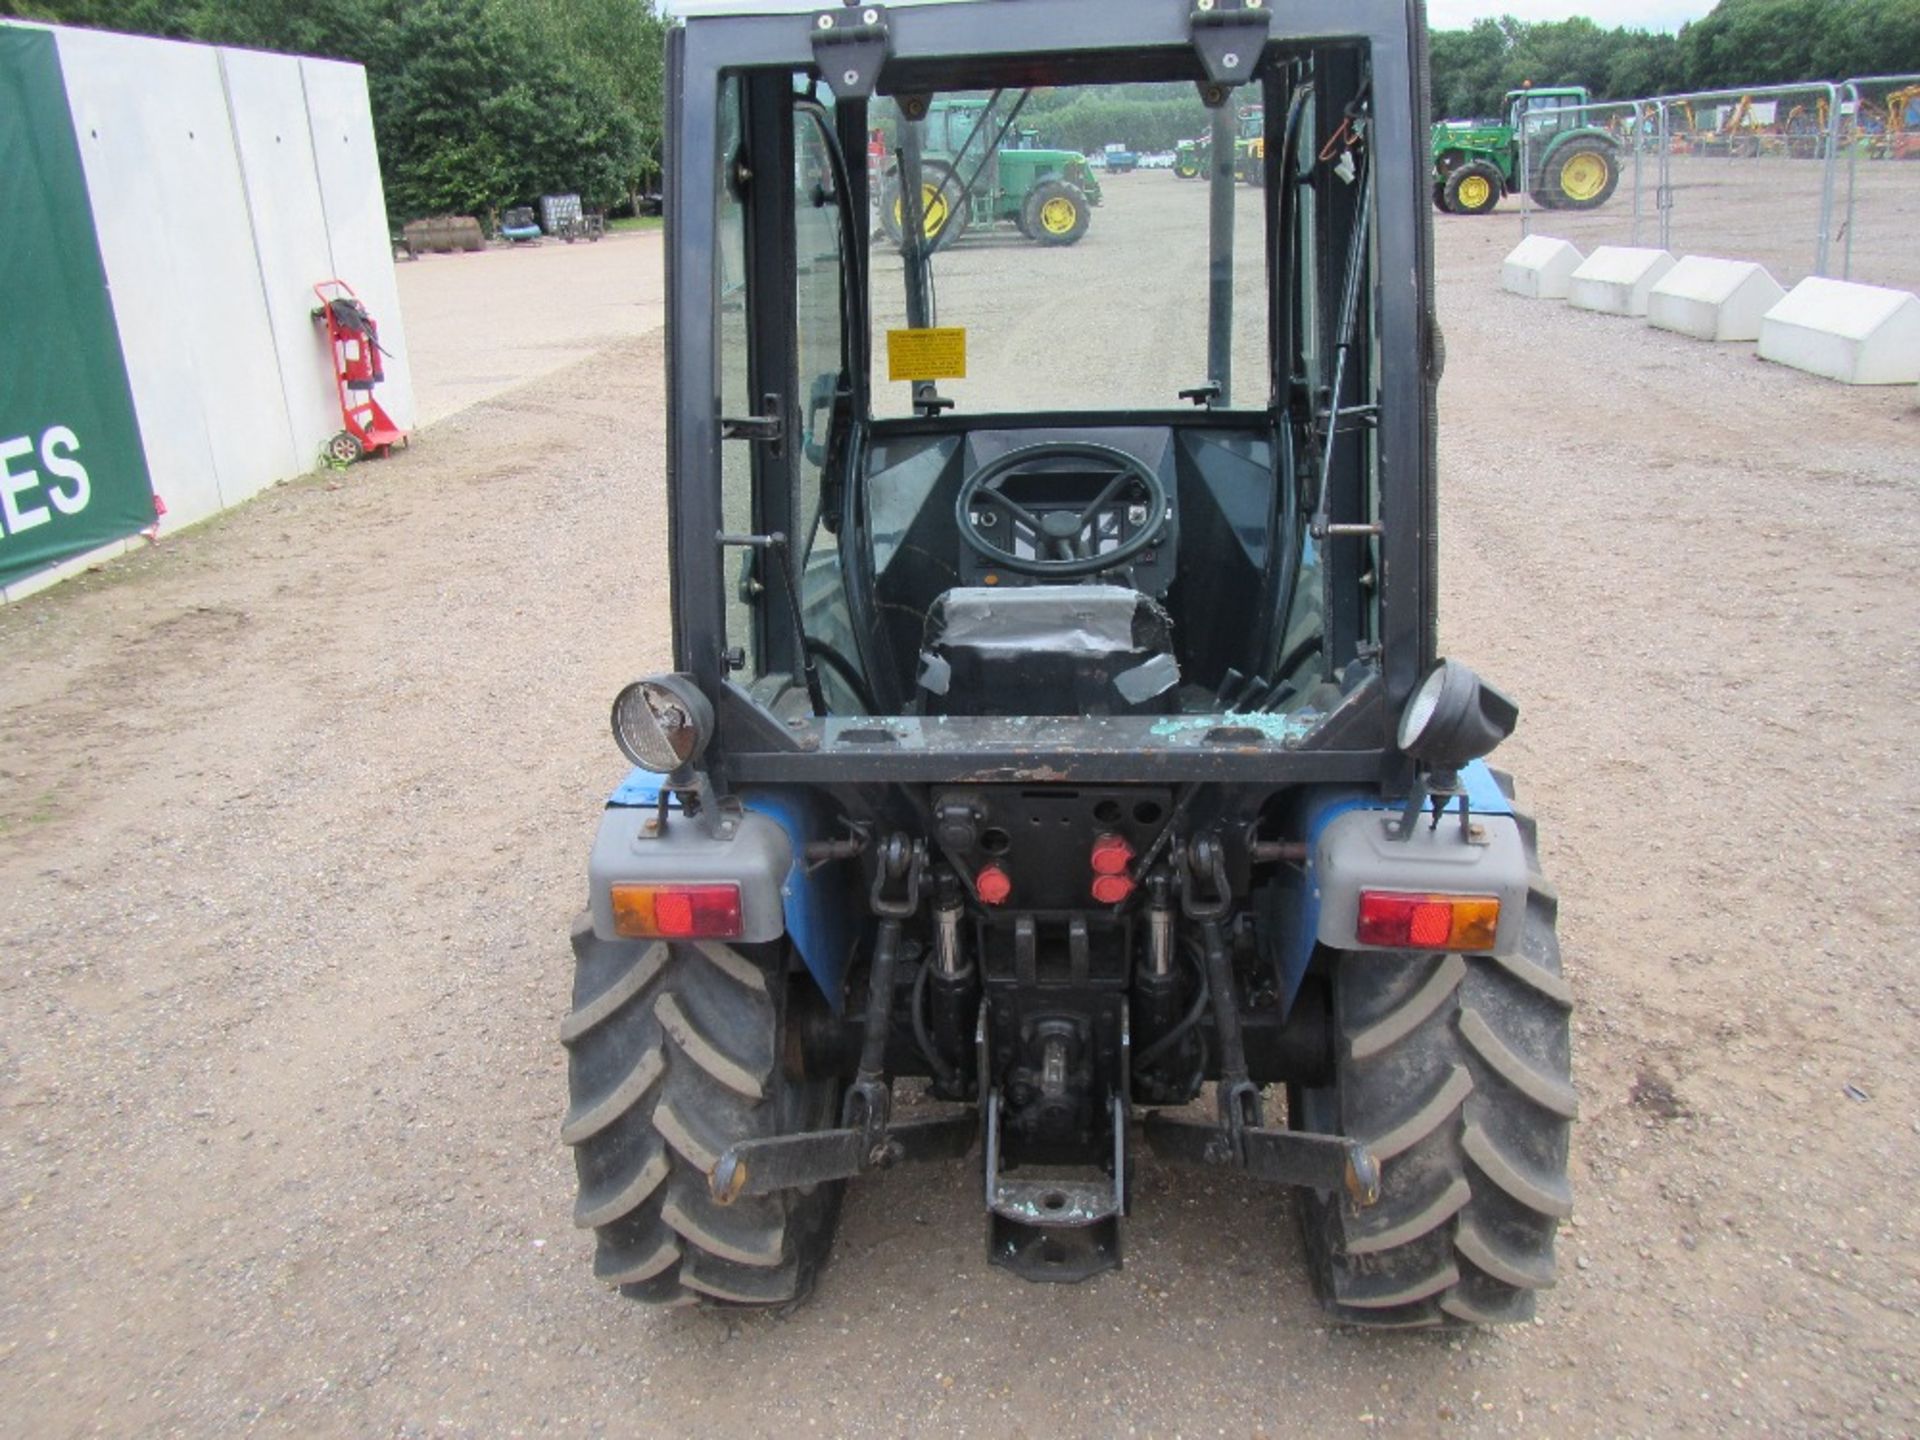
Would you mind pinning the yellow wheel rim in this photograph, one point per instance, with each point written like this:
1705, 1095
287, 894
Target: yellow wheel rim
1475, 192
1057, 215
933, 210
1584, 177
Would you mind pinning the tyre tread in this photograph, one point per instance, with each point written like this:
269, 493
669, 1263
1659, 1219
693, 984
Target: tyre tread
672, 1056
1460, 1068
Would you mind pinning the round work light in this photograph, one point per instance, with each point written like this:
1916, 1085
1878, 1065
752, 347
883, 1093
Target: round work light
662, 724
1453, 716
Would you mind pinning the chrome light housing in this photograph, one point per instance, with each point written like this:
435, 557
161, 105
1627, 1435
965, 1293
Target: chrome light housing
663, 723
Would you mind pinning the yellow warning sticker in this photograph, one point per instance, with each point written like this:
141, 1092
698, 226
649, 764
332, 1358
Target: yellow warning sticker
937, 354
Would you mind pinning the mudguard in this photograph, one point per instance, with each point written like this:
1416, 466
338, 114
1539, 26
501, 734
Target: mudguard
1349, 849
778, 893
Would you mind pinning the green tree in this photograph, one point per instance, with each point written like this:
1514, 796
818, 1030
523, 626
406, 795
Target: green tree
1469, 69
1758, 42
618, 48
477, 104
485, 112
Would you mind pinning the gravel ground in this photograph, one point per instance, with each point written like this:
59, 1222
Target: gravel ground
294, 811
537, 308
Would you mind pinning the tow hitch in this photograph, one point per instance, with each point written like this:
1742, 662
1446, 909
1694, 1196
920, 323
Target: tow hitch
868, 1137
1239, 1139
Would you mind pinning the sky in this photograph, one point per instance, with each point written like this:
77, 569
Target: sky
1637, 14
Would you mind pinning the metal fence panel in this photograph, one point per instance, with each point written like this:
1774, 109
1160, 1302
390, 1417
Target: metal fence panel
1750, 175
1747, 174
1624, 134
1879, 240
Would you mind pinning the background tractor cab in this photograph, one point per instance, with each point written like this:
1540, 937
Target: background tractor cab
1056, 723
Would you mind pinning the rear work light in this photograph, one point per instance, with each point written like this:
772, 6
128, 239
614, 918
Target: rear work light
677, 912
1393, 920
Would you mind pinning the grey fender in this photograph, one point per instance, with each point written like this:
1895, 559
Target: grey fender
757, 856
1360, 851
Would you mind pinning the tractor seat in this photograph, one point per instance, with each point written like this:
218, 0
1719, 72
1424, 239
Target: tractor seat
1048, 650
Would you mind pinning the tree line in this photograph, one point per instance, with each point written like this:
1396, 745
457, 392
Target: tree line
1741, 44
477, 104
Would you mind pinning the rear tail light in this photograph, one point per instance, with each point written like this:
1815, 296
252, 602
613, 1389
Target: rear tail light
1111, 855
677, 912
1392, 920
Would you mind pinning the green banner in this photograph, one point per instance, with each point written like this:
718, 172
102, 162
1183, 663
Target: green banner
73, 475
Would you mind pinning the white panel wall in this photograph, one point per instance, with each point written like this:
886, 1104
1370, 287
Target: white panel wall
341, 122
172, 217
269, 116
224, 183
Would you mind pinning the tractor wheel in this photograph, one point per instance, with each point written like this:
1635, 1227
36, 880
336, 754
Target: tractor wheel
1582, 175
1456, 1068
1440, 197
943, 207
676, 1051
1474, 190
1056, 213
343, 449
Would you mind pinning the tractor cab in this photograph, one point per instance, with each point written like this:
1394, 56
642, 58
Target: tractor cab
1547, 111
1056, 731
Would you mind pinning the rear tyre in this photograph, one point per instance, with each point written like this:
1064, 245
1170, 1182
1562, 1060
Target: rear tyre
1456, 1069
1582, 174
943, 205
1056, 213
676, 1051
1440, 197
1474, 190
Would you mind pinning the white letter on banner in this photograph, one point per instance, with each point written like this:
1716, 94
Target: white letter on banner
67, 502
14, 485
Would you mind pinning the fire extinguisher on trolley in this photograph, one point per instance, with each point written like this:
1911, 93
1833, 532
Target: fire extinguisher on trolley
353, 335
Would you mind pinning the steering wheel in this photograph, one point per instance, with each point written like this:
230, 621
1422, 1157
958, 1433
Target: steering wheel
1067, 534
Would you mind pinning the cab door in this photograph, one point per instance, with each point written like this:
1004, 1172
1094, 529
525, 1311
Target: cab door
789, 396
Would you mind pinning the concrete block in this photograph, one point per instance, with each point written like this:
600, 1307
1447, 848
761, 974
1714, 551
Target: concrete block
1856, 334
1618, 280
1540, 267
1714, 299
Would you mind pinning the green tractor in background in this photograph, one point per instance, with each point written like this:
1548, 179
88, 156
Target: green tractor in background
1575, 165
1190, 157
978, 169
1250, 150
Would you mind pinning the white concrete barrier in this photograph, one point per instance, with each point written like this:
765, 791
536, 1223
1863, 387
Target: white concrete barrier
1540, 267
1618, 280
1856, 334
1713, 299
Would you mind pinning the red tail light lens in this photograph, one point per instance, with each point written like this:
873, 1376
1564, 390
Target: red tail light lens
677, 912
1393, 920
1111, 855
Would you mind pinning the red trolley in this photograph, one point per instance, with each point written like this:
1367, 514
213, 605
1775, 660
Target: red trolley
355, 340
